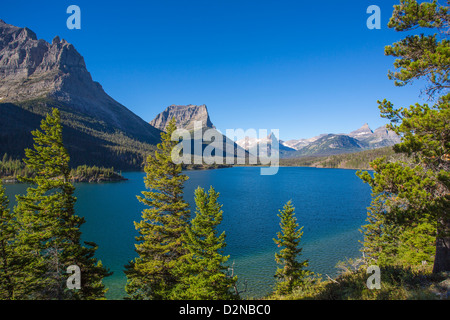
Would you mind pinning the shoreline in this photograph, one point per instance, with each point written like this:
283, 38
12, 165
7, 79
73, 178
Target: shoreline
12, 180
120, 178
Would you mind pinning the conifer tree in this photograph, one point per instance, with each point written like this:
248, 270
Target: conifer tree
293, 272
390, 240
416, 191
49, 236
152, 275
204, 274
8, 260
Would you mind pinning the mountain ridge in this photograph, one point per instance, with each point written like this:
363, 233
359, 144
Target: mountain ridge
331, 144
36, 76
186, 117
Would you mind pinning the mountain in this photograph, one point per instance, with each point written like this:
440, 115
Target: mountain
300, 143
185, 117
253, 145
36, 75
381, 137
362, 133
330, 144
354, 160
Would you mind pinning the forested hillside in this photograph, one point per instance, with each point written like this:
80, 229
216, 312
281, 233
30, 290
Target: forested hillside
357, 160
89, 141
36, 76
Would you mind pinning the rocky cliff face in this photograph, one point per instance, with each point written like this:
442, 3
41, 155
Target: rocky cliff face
32, 68
362, 132
36, 75
383, 137
185, 117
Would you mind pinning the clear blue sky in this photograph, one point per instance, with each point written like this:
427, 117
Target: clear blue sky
303, 67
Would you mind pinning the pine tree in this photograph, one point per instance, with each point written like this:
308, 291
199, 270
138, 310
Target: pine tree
380, 234
417, 188
9, 289
49, 236
390, 240
204, 274
152, 275
423, 56
293, 272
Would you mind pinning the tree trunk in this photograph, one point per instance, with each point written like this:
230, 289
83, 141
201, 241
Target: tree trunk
442, 257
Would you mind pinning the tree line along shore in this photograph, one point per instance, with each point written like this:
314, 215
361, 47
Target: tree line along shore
11, 169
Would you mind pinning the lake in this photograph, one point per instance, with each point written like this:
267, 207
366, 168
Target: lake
331, 205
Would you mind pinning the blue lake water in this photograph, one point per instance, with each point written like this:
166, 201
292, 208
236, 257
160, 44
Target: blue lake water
331, 205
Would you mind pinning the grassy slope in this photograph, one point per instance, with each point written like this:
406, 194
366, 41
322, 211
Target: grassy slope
397, 283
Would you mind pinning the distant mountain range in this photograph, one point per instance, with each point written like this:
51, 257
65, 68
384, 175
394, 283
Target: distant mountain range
328, 144
36, 76
325, 144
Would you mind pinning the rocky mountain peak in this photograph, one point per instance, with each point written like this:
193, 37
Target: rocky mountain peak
56, 40
361, 132
32, 68
185, 116
360, 139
